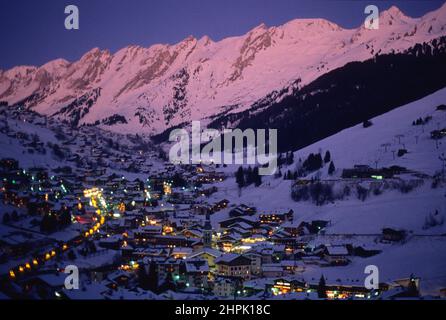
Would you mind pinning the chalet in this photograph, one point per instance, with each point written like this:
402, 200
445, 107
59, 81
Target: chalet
48, 286
234, 265
243, 233
228, 241
180, 253
285, 240
292, 266
314, 260
292, 228
179, 195
438, 134
256, 261
100, 273
207, 192
197, 271
220, 205
344, 289
366, 172
255, 238
248, 220
150, 253
313, 227
285, 286
171, 241
275, 218
118, 279
273, 270
336, 255
241, 211
148, 231
202, 208
114, 242
210, 255
192, 233
224, 287
210, 177
166, 267
9, 164
389, 234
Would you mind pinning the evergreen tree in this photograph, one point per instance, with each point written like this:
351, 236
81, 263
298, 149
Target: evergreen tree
290, 158
240, 177
327, 157
48, 223
313, 162
143, 277
65, 217
331, 168
321, 288
168, 283
153, 277
249, 176
71, 255
412, 290
257, 178
6, 218
295, 176
367, 123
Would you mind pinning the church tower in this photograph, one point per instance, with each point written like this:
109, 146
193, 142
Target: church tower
207, 232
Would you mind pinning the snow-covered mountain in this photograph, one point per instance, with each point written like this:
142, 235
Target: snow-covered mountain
150, 89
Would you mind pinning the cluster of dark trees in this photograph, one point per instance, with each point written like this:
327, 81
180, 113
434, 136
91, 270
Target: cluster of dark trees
290, 175
401, 152
315, 162
7, 218
285, 159
57, 151
246, 177
114, 119
421, 121
320, 193
79, 108
178, 181
52, 222
149, 280
367, 124
88, 248
433, 220
312, 163
340, 104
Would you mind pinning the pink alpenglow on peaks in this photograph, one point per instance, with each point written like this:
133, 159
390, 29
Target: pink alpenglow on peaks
164, 85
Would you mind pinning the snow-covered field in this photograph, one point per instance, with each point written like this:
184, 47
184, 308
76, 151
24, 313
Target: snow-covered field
424, 253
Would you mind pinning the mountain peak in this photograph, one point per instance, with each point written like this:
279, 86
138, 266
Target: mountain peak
260, 28
395, 11
316, 24
393, 15
205, 40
